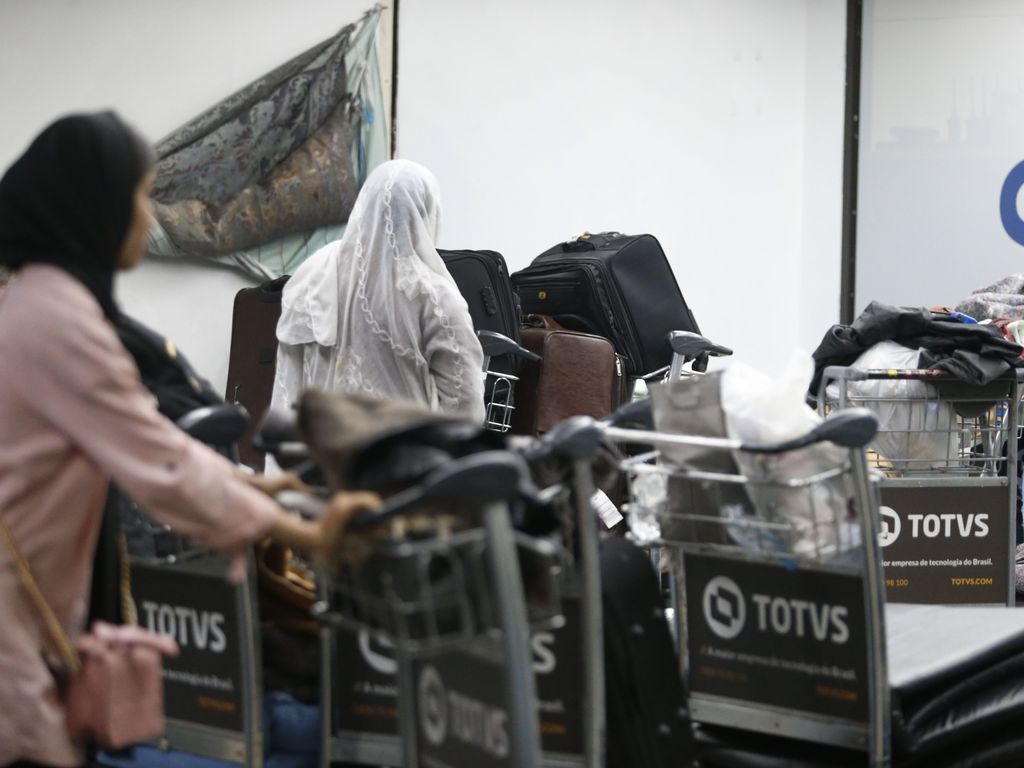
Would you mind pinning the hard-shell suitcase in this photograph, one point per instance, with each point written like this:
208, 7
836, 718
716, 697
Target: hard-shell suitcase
253, 360
612, 285
579, 374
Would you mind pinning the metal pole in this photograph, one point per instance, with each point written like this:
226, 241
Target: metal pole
874, 609
524, 728
676, 371
252, 678
592, 618
407, 719
851, 153
326, 682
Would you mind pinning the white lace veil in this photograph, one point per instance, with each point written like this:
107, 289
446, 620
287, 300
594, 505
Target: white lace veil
371, 294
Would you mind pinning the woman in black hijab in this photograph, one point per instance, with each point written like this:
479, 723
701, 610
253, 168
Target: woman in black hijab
74, 209
79, 199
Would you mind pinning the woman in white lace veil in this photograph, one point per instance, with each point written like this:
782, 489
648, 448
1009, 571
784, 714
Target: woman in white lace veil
376, 312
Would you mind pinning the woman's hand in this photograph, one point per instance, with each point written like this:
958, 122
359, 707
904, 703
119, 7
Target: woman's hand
323, 538
334, 521
272, 485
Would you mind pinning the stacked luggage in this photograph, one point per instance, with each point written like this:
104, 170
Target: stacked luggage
598, 309
617, 286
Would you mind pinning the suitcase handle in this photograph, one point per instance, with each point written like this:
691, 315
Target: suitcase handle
546, 322
574, 246
589, 242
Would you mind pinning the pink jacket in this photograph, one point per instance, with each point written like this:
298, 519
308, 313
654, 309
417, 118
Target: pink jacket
73, 415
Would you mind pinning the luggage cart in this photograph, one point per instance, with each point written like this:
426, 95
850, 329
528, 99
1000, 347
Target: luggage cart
501, 385
457, 605
360, 668
948, 489
213, 688
358, 698
775, 636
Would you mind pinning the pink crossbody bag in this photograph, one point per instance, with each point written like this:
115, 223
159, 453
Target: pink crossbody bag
114, 696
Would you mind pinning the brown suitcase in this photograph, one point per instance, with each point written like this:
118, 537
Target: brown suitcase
253, 359
580, 374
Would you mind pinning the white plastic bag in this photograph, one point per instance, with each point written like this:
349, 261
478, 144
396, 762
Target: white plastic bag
761, 410
915, 429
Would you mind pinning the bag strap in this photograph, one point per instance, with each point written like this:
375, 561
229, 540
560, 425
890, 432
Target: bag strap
60, 637
546, 322
128, 614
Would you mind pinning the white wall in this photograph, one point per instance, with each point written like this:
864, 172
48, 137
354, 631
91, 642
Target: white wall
159, 63
824, 102
714, 124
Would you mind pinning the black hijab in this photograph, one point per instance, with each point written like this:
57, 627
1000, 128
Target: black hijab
68, 201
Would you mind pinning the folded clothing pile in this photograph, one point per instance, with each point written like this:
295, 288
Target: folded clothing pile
973, 353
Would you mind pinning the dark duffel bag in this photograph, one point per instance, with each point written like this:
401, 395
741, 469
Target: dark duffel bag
612, 285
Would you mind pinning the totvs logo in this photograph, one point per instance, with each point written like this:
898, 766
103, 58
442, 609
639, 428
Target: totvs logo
725, 611
202, 630
932, 525
446, 713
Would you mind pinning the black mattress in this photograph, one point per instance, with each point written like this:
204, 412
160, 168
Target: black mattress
957, 686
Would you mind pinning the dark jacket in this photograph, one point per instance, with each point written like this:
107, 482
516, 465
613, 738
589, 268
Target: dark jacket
975, 354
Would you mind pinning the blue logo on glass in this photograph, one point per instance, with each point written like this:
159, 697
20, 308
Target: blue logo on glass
1009, 210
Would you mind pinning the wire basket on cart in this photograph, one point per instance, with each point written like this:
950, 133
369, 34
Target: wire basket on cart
501, 387
428, 592
499, 381
929, 423
426, 578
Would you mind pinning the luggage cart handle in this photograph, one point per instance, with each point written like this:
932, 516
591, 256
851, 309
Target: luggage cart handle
217, 425
278, 435
849, 428
844, 373
838, 372
578, 437
476, 479
494, 344
636, 415
690, 345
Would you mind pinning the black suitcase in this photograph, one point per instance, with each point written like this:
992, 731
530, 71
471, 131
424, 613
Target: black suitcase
484, 283
612, 285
